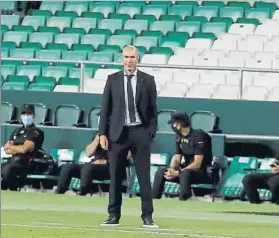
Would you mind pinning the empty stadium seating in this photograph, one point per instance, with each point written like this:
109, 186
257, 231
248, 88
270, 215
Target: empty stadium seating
232, 34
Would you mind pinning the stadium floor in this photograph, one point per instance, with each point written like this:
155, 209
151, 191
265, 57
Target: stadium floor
36, 215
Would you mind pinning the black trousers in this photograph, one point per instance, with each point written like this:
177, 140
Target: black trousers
86, 172
138, 141
252, 182
12, 172
186, 178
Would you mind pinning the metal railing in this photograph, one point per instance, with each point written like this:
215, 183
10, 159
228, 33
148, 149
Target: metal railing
83, 63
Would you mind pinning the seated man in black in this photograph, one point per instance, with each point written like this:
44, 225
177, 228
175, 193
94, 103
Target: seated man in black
97, 168
253, 182
195, 146
24, 143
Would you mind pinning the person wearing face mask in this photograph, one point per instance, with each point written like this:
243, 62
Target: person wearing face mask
195, 147
24, 143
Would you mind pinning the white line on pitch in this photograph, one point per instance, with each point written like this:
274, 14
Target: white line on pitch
154, 232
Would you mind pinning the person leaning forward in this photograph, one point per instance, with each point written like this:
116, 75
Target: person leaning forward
128, 121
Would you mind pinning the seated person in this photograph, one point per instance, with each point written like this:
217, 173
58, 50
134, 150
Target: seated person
24, 143
97, 168
195, 146
252, 182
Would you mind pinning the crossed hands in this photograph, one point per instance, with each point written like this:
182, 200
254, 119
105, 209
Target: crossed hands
171, 174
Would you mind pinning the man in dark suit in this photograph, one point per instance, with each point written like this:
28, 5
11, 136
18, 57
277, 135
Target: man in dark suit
128, 121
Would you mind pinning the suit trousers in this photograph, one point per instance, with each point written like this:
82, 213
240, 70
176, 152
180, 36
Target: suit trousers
186, 178
138, 141
86, 172
252, 182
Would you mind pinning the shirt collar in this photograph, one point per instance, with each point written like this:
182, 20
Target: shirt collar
135, 72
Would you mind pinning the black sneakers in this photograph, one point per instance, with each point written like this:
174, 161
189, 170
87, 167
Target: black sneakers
149, 223
111, 221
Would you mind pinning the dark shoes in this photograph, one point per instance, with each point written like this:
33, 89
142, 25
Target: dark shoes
111, 221
149, 223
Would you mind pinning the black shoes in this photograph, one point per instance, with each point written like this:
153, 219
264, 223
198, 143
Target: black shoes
111, 221
149, 223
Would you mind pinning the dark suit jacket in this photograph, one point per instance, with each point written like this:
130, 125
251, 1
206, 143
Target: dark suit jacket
112, 117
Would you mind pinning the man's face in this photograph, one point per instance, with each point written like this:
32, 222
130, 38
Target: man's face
177, 126
130, 59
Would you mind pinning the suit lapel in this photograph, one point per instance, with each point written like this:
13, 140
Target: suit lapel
121, 85
140, 81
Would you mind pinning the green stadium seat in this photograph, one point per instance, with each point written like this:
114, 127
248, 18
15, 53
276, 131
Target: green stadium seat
232, 12
244, 5
14, 86
54, 30
102, 57
219, 4
18, 79
272, 6
122, 17
215, 27
71, 30
8, 112
163, 117
109, 48
4, 29
173, 42
29, 70
41, 80
28, 29
45, 13
182, 11
69, 81
42, 114
163, 26
78, 7
131, 33
75, 73
63, 155
68, 39
8, 70
106, 8
200, 19
40, 87
94, 40
189, 27
155, 10
120, 40
76, 55
204, 35
52, 6
232, 186
137, 25
206, 11
146, 41
148, 18
5, 52
42, 38
258, 13
204, 120
187, 3
164, 3
229, 21
8, 45
93, 15
67, 116
22, 53
173, 18
71, 15
34, 21
10, 20
157, 34
60, 22
55, 71
16, 37
244, 20
129, 8
110, 24
89, 49
85, 23
105, 32
161, 50
57, 46
31, 45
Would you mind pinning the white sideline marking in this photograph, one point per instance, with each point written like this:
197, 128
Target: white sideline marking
132, 230
48, 223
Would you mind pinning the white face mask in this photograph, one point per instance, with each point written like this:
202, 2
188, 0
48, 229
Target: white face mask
27, 120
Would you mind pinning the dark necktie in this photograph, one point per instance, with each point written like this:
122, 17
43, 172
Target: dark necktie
131, 105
